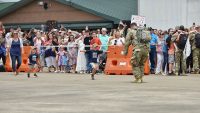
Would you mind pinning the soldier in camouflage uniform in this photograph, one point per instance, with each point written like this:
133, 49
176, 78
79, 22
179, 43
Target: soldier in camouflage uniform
195, 50
179, 52
139, 38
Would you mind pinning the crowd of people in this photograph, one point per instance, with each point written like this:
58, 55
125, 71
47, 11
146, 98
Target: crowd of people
64, 50
176, 51
61, 50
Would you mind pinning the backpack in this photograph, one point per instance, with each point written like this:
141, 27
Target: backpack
142, 35
182, 41
197, 40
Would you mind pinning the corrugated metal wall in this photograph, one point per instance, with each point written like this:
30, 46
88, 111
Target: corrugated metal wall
165, 14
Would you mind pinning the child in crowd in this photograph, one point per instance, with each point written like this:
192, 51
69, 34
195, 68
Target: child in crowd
33, 60
171, 58
62, 59
171, 53
94, 54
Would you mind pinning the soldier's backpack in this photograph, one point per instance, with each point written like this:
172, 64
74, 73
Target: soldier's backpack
143, 35
182, 41
197, 40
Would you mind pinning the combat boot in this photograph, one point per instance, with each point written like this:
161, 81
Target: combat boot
196, 71
184, 74
136, 79
176, 74
141, 79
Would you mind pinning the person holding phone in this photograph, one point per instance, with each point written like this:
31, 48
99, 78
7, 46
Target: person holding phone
117, 40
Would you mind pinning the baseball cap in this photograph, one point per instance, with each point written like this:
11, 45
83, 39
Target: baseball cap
103, 29
69, 30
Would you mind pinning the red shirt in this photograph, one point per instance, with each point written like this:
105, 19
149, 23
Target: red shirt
96, 41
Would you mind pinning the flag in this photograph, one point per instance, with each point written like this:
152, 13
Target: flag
187, 49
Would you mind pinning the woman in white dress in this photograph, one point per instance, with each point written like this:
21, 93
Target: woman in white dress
81, 60
159, 53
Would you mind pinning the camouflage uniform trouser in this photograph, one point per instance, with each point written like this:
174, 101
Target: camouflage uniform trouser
180, 62
138, 60
196, 58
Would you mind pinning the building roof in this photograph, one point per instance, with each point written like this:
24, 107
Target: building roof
114, 10
4, 5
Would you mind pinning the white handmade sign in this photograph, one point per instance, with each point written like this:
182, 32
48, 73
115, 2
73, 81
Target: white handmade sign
139, 20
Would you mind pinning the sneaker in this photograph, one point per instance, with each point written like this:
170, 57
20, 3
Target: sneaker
16, 73
35, 75
82, 72
56, 71
164, 74
157, 73
28, 75
92, 76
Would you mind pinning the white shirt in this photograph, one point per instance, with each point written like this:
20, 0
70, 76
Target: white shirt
118, 41
7, 37
10, 42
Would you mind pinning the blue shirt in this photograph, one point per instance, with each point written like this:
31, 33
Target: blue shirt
33, 58
94, 55
15, 48
104, 42
154, 40
165, 47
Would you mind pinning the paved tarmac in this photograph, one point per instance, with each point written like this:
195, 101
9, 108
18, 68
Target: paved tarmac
76, 93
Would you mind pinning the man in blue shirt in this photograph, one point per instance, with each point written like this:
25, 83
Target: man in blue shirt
152, 54
104, 39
